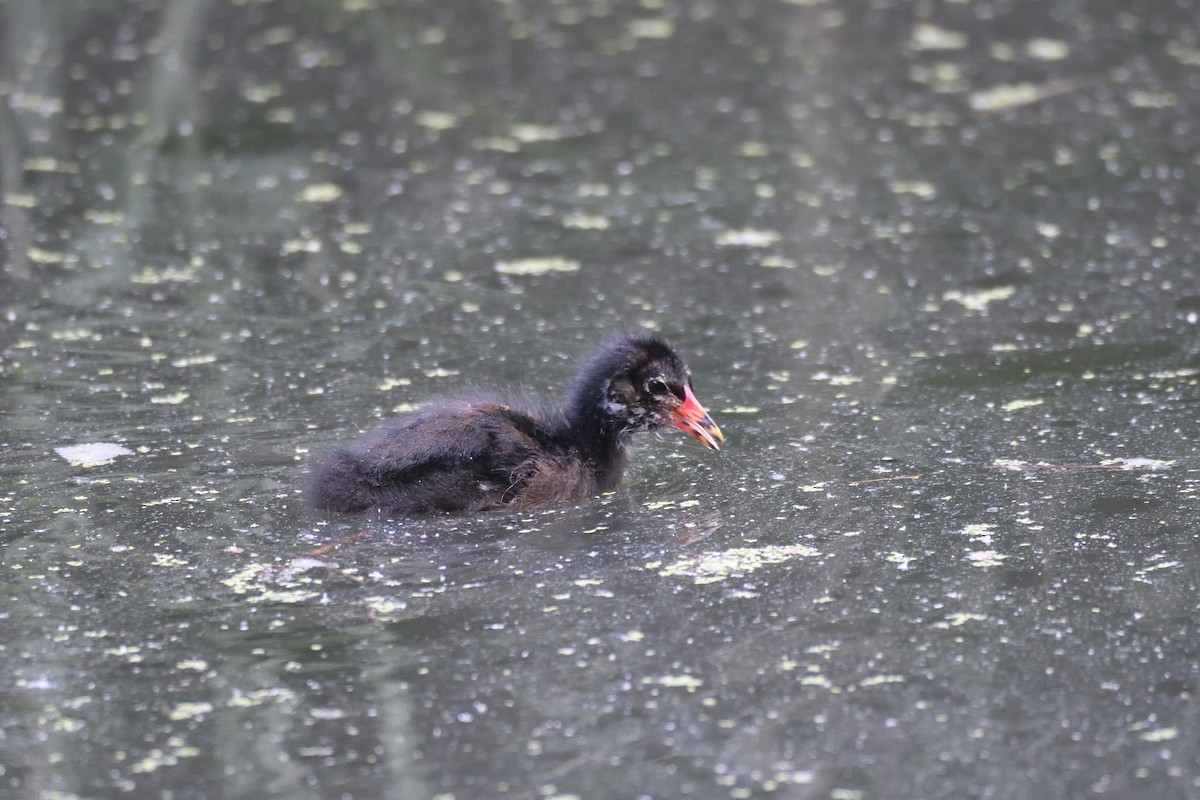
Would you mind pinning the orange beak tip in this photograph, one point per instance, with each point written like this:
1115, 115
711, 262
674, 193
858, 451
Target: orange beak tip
692, 419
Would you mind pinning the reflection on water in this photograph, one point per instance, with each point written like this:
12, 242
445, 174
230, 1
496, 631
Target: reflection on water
931, 266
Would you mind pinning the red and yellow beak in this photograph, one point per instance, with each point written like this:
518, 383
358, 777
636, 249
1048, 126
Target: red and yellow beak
692, 419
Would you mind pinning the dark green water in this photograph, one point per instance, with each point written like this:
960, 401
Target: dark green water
933, 266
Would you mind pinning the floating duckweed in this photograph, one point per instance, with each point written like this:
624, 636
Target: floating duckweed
164, 758
319, 193
190, 710
1049, 230
923, 189
1142, 573
1185, 372
163, 501
716, 566
986, 558
979, 301
528, 133
879, 680
689, 682
129, 652
943, 77
537, 266
586, 222
20, 200
837, 380
1159, 735
278, 34
194, 361
1184, 53
437, 120
68, 725
263, 93
93, 454
292, 246
1017, 405
1047, 49
1144, 99
170, 399
652, 28
498, 144
1138, 463
980, 531
49, 164
931, 37
247, 580
1014, 95
748, 237
258, 697
386, 609
150, 276
39, 256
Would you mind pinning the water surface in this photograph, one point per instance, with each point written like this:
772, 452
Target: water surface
933, 267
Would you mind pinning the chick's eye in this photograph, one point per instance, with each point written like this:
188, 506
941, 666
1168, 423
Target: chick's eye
656, 387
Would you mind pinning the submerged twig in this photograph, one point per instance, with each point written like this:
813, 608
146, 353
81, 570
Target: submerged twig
885, 480
1004, 97
1121, 464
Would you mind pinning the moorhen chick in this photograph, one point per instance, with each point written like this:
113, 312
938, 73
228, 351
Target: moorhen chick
486, 453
